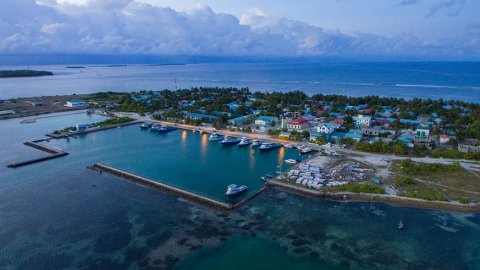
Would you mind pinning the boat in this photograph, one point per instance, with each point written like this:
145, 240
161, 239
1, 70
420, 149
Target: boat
269, 146
267, 177
289, 145
256, 143
291, 161
445, 221
230, 140
145, 125
400, 225
244, 142
163, 129
215, 137
306, 150
233, 190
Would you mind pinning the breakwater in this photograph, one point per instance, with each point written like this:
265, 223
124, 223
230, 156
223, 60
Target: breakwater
383, 198
190, 196
91, 130
54, 153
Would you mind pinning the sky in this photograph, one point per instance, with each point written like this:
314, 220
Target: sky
346, 29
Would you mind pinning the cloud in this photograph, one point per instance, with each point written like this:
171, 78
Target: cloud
450, 7
128, 27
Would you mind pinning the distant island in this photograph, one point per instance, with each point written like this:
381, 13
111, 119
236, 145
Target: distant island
75, 67
23, 73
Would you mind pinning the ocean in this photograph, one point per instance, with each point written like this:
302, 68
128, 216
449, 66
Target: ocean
435, 80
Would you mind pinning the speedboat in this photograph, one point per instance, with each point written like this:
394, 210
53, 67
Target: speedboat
400, 225
230, 141
306, 150
291, 161
233, 190
244, 142
215, 137
256, 143
269, 146
145, 125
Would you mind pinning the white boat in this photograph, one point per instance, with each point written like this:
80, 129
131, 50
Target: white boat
291, 161
244, 141
269, 146
256, 143
289, 145
306, 150
215, 137
233, 190
230, 141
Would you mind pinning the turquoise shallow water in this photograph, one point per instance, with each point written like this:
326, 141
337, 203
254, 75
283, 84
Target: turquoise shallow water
60, 215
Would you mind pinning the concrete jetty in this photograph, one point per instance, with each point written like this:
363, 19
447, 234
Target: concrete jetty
170, 189
54, 153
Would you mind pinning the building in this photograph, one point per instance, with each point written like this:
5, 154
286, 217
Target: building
266, 120
372, 131
284, 135
199, 116
327, 128
363, 120
75, 103
422, 133
469, 146
444, 138
240, 120
338, 121
298, 124
315, 135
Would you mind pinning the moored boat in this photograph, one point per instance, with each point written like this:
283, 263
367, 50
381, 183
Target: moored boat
230, 141
215, 137
269, 146
306, 150
288, 145
244, 141
291, 161
233, 190
256, 143
163, 129
146, 125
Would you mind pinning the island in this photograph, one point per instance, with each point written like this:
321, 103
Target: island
23, 73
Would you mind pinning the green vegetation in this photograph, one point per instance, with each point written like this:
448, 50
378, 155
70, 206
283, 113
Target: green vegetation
428, 197
114, 121
363, 188
417, 169
23, 73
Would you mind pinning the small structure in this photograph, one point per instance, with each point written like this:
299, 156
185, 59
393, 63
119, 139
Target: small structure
298, 124
265, 120
444, 138
284, 135
469, 146
75, 103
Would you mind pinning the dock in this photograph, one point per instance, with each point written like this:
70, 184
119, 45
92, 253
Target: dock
54, 153
190, 196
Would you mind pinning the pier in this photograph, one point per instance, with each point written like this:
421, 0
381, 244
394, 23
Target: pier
54, 153
203, 200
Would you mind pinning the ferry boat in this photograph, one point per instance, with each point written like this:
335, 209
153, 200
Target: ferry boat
269, 146
291, 161
233, 190
230, 141
215, 137
256, 143
146, 125
306, 150
244, 142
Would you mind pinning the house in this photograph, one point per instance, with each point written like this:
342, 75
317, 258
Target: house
199, 116
240, 120
233, 106
337, 136
338, 121
315, 135
469, 146
298, 124
363, 120
422, 133
372, 131
354, 136
266, 120
444, 138
327, 128
75, 103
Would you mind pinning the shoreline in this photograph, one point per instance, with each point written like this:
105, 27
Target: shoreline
381, 198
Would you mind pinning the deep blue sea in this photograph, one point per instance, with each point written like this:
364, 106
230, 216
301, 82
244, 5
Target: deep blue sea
447, 80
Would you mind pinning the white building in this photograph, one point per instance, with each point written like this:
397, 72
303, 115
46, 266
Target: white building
363, 120
422, 133
75, 103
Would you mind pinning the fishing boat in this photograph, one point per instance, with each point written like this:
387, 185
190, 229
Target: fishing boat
230, 141
269, 146
306, 150
256, 143
400, 225
291, 161
233, 190
244, 141
215, 137
145, 125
